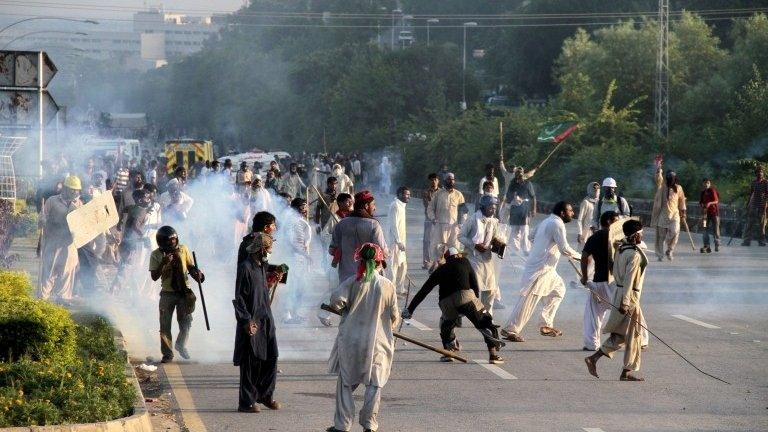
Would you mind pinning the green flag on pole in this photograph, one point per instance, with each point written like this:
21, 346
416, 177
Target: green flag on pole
556, 132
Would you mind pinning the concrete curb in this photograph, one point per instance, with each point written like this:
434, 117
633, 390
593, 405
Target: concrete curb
138, 422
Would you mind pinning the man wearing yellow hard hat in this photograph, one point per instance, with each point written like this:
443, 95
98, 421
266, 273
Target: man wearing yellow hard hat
58, 252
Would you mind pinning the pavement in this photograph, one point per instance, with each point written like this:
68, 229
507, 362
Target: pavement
711, 308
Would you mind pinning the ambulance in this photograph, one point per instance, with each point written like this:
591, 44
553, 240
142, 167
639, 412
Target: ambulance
187, 152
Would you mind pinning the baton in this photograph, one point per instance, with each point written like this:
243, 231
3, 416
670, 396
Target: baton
685, 222
202, 297
632, 318
446, 353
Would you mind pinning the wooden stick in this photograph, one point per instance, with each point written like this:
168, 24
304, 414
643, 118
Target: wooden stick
549, 155
685, 223
322, 200
401, 336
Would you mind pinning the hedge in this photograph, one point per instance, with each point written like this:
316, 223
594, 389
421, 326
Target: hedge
14, 284
35, 328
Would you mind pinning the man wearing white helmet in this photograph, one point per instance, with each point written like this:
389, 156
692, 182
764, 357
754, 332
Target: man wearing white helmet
609, 200
58, 252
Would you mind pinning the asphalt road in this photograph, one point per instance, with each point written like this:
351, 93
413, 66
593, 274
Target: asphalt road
712, 308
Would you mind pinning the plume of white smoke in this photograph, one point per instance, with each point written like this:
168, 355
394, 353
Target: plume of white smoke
219, 219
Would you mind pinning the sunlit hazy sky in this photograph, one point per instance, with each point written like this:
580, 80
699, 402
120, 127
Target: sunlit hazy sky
12, 9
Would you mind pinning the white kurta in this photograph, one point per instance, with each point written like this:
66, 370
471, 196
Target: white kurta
261, 200
584, 219
479, 229
365, 346
395, 234
549, 242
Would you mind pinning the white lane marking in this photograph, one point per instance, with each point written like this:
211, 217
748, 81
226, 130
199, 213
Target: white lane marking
592, 430
734, 333
184, 400
755, 341
418, 325
501, 373
695, 321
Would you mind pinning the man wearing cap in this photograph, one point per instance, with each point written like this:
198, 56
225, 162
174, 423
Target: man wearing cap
609, 200
351, 232
624, 320
458, 295
477, 234
261, 200
426, 198
175, 203
668, 210
58, 252
365, 345
540, 280
396, 239
521, 198
255, 337
443, 212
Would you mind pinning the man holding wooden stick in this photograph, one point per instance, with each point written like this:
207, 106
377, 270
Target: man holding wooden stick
365, 345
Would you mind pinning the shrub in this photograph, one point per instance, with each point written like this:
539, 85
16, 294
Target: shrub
40, 393
14, 284
95, 340
35, 328
25, 224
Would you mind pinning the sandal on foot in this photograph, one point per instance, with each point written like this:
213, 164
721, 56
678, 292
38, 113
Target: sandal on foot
550, 331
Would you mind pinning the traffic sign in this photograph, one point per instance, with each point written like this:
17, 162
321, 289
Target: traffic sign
19, 108
20, 69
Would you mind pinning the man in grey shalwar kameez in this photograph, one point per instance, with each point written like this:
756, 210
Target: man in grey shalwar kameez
351, 232
365, 345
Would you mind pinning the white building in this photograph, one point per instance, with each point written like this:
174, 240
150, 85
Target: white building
153, 39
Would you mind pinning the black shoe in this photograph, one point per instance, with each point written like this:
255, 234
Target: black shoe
761, 243
703, 250
709, 250
717, 248
746, 243
166, 359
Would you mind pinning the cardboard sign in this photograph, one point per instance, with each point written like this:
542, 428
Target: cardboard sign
92, 219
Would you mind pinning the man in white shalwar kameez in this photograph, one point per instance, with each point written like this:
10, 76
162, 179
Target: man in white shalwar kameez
476, 235
365, 345
396, 239
58, 252
261, 200
540, 279
385, 175
299, 237
587, 213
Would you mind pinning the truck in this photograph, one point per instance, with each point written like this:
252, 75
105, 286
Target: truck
122, 150
187, 152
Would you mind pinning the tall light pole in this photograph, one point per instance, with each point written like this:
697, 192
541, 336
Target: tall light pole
38, 32
431, 21
392, 43
464, 65
86, 21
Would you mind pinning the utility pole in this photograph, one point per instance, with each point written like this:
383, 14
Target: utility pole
661, 112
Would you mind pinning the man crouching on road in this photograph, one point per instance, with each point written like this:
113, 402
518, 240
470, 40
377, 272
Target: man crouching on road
365, 344
624, 321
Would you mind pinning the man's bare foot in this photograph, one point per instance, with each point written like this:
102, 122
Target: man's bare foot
591, 366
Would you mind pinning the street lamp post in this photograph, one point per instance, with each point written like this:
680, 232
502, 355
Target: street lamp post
392, 43
431, 21
464, 65
38, 32
86, 21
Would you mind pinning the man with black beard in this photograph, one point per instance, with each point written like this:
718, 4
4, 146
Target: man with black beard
540, 280
255, 339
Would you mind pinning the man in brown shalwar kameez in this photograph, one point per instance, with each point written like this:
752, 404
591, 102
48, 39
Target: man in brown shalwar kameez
624, 321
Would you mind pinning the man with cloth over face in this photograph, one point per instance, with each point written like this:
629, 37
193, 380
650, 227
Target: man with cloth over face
624, 321
353, 231
255, 338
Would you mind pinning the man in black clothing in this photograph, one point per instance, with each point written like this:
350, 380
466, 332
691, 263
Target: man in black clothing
255, 339
599, 249
458, 296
